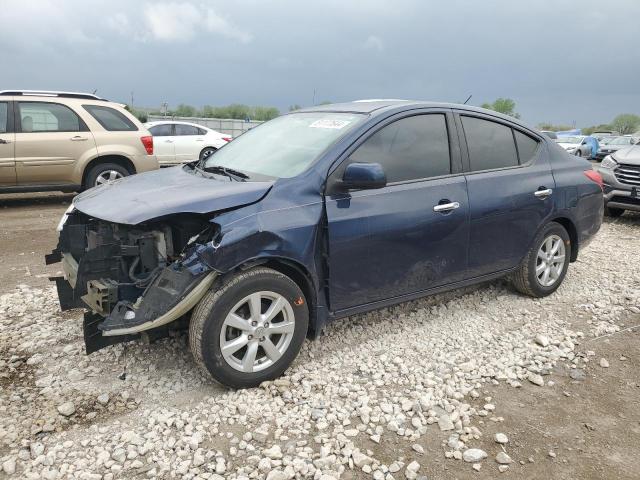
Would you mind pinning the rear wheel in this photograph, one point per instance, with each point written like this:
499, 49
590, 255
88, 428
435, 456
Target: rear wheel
206, 153
250, 329
104, 173
613, 212
545, 265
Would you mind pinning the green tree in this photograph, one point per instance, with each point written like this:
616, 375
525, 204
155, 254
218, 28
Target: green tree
603, 127
626, 123
185, 111
325, 102
264, 113
553, 128
294, 107
505, 106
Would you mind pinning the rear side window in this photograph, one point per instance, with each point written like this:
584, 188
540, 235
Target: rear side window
409, 149
527, 146
186, 129
202, 131
4, 118
164, 130
490, 144
48, 117
110, 119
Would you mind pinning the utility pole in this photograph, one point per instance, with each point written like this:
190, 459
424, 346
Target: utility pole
131, 99
314, 97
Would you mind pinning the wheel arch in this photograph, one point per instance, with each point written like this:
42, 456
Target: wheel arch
296, 272
121, 160
571, 229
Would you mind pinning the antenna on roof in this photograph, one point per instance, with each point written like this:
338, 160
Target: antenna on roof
468, 98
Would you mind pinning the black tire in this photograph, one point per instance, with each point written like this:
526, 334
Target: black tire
578, 153
208, 318
97, 170
525, 279
206, 152
613, 212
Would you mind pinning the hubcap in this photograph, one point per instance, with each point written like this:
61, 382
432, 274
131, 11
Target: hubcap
257, 331
108, 176
550, 261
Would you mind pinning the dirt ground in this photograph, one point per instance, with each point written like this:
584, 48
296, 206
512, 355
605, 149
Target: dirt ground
579, 429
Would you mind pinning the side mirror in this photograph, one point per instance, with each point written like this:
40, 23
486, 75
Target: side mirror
364, 176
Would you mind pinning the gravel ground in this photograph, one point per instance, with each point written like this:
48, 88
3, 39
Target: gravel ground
413, 391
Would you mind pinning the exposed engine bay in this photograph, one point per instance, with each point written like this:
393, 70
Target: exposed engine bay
132, 278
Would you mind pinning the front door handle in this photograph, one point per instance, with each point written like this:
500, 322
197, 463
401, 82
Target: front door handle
543, 193
446, 207
78, 138
168, 141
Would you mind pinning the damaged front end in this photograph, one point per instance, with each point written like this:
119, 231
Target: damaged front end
133, 279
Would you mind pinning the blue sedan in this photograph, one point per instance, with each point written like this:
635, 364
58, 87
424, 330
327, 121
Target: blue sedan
317, 215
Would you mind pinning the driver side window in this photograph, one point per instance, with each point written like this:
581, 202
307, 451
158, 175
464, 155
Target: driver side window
411, 148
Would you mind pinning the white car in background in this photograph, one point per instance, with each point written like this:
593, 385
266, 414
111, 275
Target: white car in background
179, 142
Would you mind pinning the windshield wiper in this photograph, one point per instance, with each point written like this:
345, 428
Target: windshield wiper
229, 172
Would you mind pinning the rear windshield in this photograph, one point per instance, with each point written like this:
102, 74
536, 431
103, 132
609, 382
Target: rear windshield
110, 118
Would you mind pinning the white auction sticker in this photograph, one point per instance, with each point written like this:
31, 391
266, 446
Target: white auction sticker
329, 123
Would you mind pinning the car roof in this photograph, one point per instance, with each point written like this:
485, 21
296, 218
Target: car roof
377, 106
164, 122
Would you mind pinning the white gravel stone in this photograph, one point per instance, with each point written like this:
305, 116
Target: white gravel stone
604, 363
535, 379
473, 455
67, 409
501, 438
542, 340
503, 458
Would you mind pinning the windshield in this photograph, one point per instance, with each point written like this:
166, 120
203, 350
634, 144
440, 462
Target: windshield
621, 141
569, 139
284, 146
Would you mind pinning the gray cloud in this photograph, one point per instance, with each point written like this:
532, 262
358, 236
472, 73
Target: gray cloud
560, 61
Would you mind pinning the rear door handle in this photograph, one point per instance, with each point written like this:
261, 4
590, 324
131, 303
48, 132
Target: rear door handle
544, 193
78, 138
446, 207
2, 140
168, 141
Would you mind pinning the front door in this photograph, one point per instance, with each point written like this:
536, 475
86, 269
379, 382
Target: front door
50, 138
7, 145
390, 242
163, 143
511, 190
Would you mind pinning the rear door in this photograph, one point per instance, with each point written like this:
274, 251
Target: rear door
188, 142
390, 242
7, 144
50, 138
510, 188
163, 143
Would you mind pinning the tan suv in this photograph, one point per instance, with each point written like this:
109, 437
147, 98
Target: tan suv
68, 141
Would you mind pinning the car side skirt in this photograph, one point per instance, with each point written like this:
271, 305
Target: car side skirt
422, 293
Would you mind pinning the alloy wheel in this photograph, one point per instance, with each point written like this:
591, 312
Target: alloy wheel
550, 261
257, 331
107, 176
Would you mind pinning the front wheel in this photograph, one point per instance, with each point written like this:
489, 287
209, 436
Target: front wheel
250, 328
544, 267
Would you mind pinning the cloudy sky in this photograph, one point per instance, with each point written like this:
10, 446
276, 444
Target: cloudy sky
562, 61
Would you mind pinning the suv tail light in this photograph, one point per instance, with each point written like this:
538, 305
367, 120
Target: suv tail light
227, 139
595, 177
148, 144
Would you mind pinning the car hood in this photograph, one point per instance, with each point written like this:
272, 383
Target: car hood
167, 191
629, 155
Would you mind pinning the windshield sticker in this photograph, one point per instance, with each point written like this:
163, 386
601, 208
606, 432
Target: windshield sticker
329, 123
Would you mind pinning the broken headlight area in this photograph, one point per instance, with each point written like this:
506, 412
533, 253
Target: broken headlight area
131, 278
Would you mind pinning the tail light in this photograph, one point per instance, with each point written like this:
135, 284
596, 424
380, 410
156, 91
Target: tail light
148, 144
227, 139
595, 177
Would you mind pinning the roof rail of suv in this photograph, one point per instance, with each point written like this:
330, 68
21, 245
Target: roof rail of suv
46, 93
